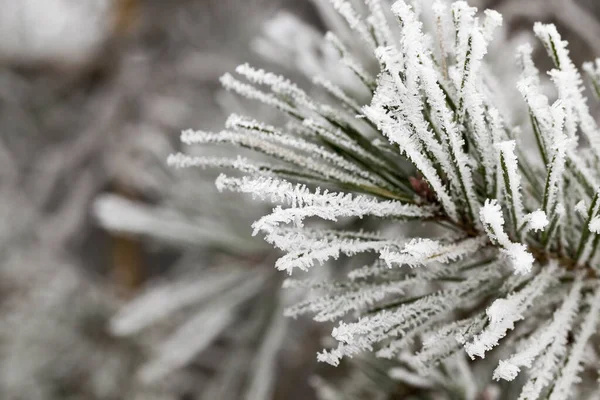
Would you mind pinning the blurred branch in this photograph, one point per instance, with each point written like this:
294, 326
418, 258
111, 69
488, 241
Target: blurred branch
567, 12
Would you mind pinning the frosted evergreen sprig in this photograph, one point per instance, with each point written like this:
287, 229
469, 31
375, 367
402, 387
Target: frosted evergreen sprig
510, 233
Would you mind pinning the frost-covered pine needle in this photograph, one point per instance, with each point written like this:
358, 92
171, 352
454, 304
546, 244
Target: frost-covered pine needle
506, 236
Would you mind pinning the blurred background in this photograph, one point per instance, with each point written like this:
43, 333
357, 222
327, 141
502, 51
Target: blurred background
120, 277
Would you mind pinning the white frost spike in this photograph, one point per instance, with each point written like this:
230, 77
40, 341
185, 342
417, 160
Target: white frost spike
424, 251
592, 69
356, 337
354, 20
360, 336
561, 323
337, 92
291, 150
286, 91
250, 92
529, 87
582, 208
503, 313
506, 371
493, 20
512, 179
302, 151
443, 27
545, 368
379, 22
180, 160
277, 83
471, 48
585, 247
304, 203
339, 300
350, 62
342, 141
238, 122
537, 220
569, 83
569, 375
525, 60
322, 250
493, 222
445, 341
521, 259
595, 225
561, 144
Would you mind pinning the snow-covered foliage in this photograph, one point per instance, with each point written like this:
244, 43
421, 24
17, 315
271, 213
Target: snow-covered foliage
496, 243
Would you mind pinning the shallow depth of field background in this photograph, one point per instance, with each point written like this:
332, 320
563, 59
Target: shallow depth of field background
93, 96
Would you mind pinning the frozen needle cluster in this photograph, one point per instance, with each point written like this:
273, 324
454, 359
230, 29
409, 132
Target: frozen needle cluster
496, 242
